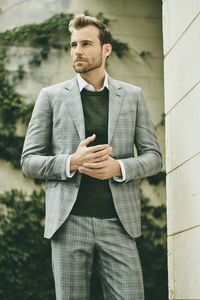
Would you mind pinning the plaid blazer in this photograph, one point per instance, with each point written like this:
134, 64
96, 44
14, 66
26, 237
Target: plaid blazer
56, 129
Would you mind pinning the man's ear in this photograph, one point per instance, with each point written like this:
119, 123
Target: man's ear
107, 49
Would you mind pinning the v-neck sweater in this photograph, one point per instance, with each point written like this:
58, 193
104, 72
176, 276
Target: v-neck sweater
94, 197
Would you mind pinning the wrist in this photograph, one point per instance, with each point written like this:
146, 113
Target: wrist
118, 172
73, 163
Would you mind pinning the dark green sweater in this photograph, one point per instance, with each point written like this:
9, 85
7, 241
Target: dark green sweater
94, 198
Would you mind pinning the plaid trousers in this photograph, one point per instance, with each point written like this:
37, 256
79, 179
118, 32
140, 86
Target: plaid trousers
73, 248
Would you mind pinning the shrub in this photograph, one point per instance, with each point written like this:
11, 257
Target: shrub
25, 268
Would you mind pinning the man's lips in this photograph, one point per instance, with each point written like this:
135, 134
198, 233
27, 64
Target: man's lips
80, 60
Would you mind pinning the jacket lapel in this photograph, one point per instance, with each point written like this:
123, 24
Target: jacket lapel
115, 102
75, 108
74, 105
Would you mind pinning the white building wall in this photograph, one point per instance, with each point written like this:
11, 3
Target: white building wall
181, 32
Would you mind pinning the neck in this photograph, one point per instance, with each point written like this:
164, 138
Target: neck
96, 78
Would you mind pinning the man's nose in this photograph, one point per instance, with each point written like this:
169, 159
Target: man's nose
78, 50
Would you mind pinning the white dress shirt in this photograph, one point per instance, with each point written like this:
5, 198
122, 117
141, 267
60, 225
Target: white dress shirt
85, 85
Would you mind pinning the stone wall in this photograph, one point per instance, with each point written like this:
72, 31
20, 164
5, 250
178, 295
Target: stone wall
181, 25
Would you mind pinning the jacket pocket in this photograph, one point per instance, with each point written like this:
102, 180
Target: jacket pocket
51, 183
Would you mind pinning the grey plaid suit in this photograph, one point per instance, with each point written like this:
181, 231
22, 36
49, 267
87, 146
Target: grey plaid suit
56, 129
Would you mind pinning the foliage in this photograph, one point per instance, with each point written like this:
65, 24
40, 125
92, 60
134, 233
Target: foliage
153, 251
158, 178
25, 268
25, 255
99, 16
12, 151
52, 32
12, 110
119, 47
37, 35
21, 72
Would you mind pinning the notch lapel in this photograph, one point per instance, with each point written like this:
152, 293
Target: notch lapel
74, 105
115, 102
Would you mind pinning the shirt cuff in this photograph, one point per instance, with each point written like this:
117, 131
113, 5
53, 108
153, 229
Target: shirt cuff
68, 173
123, 177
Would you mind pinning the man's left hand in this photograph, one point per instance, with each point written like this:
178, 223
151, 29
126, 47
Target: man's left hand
102, 170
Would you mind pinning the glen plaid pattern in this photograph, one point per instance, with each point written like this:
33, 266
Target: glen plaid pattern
57, 127
118, 263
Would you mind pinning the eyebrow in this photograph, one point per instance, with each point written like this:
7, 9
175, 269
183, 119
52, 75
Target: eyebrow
82, 41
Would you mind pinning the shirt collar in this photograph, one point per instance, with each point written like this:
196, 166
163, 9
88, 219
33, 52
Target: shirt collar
85, 85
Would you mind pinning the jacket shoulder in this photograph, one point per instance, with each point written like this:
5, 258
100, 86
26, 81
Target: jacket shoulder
55, 89
128, 87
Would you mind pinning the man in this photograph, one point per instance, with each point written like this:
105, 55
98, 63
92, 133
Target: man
81, 138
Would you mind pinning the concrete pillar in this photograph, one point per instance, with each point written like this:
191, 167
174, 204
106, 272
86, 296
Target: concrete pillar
181, 32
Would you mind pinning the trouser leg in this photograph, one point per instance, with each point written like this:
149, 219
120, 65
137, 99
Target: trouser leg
118, 262
72, 258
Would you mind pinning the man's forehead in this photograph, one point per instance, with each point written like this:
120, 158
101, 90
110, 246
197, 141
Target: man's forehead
86, 33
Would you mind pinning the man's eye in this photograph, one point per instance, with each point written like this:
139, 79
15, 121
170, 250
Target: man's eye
86, 43
73, 45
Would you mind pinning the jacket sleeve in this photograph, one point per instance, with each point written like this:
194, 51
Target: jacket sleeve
36, 160
148, 161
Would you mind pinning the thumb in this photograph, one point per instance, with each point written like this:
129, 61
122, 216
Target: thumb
88, 140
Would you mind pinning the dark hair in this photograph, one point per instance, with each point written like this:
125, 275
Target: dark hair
81, 21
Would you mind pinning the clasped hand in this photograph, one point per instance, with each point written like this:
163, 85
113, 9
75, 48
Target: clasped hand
94, 161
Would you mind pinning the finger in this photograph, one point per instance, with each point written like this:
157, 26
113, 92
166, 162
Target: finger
98, 156
103, 152
92, 173
101, 158
93, 165
85, 171
88, 140
97, 148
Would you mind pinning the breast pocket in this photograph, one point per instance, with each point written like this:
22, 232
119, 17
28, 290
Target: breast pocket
126, 122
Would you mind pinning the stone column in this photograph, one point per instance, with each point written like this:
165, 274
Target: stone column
181, 31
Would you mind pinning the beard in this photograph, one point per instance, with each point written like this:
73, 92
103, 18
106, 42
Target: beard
86, 66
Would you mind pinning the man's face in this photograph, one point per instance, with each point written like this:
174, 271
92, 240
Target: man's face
86, 50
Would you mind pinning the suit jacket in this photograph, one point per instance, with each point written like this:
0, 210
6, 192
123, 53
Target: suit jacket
56, 129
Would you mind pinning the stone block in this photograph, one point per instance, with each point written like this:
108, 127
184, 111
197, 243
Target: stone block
136, 26
181, 68
184, 265
171, 279
133, 64
177, 17
141, 8
148, 9
182, 130
183, 197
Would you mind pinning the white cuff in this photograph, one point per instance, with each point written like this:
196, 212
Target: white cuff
123, 177
68, 173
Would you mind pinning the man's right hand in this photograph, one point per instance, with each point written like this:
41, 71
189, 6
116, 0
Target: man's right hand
86, 154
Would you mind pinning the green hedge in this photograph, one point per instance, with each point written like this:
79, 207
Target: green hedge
25, 268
